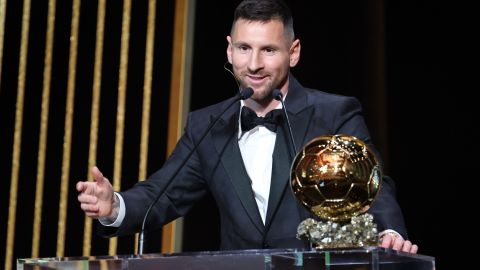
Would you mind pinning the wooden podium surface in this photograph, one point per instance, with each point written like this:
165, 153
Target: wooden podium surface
356, 258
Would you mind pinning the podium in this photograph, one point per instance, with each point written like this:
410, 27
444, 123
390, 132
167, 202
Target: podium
357, 258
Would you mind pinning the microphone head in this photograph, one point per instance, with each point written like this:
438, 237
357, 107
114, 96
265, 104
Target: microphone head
246, 93
277, 94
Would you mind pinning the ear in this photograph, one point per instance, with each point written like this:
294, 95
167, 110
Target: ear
295, 53
229, 49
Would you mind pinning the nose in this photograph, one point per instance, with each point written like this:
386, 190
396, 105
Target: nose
255, 62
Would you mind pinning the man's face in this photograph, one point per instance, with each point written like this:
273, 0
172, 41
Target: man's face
261, 56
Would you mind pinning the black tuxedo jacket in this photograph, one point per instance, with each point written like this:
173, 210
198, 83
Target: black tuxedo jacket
217, 166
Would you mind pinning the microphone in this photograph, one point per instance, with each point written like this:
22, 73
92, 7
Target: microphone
242, 95
233, 75
277, 94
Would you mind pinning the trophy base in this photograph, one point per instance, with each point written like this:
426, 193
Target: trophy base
360, 232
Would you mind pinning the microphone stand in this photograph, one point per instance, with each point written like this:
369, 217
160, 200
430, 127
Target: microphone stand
244, 94
277, 94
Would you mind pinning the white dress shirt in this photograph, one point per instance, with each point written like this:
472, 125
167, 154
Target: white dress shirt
256, 146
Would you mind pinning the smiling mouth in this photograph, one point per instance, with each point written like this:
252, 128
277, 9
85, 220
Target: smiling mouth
256, 78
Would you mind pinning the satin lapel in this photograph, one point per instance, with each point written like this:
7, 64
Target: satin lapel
300, 123
225, 139
280, 173
299, 111
300, 115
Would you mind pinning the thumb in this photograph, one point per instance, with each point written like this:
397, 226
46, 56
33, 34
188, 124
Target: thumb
97, 175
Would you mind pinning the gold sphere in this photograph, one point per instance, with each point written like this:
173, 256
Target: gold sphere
336, 177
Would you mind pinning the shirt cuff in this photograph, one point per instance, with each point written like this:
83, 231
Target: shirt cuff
121, 215
391, 232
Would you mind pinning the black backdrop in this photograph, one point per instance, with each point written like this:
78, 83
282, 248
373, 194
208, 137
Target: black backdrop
399, 58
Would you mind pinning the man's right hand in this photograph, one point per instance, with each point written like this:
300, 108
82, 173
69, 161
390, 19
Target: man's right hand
96, 197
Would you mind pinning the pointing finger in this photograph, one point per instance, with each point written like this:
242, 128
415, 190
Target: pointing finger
80, 186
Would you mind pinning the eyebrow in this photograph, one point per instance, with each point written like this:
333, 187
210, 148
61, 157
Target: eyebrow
269, 45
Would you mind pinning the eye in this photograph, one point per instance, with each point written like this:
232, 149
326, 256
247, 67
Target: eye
269, 51
243, 49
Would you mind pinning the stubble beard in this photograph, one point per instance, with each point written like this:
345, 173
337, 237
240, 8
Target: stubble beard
263, 95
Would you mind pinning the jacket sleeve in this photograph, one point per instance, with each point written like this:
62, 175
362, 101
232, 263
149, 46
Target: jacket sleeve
177, 195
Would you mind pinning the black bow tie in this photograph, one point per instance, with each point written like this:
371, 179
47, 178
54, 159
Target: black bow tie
249, 119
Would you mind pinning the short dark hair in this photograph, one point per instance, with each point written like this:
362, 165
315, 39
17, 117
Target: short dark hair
265, 11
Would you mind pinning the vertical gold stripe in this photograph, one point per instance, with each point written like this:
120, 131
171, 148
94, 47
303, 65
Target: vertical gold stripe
179, 95
147, 88
147, 92
97, 81
17, 136
3, 14
122, 84
42, 144
176, 89
67, 137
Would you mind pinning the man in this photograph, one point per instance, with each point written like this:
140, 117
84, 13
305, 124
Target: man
246, 168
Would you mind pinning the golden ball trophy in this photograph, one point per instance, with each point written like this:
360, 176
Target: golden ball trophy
337, 177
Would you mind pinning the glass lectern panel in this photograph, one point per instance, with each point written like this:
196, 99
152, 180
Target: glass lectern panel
332, 259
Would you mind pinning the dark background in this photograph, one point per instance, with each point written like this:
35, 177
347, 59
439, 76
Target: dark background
404, 60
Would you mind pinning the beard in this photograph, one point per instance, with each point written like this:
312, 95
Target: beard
260, 94
263, 94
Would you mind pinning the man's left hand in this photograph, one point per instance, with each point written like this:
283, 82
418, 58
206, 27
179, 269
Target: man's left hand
396, 242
